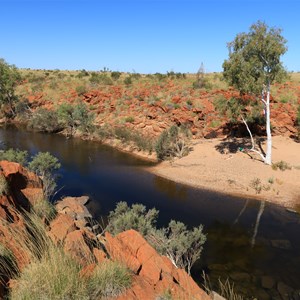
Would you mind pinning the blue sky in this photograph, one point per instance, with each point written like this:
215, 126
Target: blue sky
143, 36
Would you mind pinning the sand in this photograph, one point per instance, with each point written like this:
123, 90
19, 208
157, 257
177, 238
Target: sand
217, 164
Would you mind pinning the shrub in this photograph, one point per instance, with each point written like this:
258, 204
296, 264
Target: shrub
128, 80
44, 165
104, 132
109, 279
135, 217
14, 155
256, 185
80, 90
281, 165
129, 119
181, 245
115, 75
173, 143
73, 117
44, 120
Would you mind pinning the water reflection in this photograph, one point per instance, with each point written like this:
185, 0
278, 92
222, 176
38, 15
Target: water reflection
259, 214
170, 188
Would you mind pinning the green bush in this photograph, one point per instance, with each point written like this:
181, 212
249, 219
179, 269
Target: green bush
181, 245
14, 155
115, 75
281, 165
135, 217
80, 90
45, 120
129, 119
174, 142
75, 117
44, 165
128, 80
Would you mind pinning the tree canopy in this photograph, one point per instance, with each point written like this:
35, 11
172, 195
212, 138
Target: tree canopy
253, 65
254, 59
9, 78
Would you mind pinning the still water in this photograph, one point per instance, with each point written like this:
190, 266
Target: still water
253, 244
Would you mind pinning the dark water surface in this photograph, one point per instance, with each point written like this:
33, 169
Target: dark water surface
268, 270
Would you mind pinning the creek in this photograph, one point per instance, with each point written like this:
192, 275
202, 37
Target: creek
254, 244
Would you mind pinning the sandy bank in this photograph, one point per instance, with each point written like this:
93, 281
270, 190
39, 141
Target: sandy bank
219, 165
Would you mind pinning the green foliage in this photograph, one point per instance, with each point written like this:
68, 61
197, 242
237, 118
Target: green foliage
298, 116
181, 245
44, 165
129, 119
126, 136
14, 155
82, 73
281, 165
254, 59
44, 120
128, 80
80, 90
115, 75
173, 143
231, 108
9, 78
73, 117
100, 78
135, 217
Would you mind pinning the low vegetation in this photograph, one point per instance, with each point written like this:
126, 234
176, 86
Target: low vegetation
181, 245
53, 274
281, 165
174, 142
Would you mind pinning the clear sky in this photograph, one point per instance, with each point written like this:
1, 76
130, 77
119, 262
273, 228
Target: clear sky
146, 36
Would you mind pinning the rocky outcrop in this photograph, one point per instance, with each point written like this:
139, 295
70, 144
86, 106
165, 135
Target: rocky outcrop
153, 275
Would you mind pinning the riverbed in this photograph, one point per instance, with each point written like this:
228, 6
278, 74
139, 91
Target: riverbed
255, 244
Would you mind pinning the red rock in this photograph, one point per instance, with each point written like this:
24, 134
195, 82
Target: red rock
60, 227
119, 251
139, 290
100, 255
76, 246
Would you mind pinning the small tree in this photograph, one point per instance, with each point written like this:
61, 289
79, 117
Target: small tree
44, 165
253, 65
9, 78
182, 246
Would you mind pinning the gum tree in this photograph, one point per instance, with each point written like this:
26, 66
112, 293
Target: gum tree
9, 78
253, 65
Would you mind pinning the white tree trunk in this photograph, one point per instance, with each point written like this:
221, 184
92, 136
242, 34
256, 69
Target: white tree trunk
268, 158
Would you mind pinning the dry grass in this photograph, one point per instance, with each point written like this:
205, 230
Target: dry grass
52, 274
